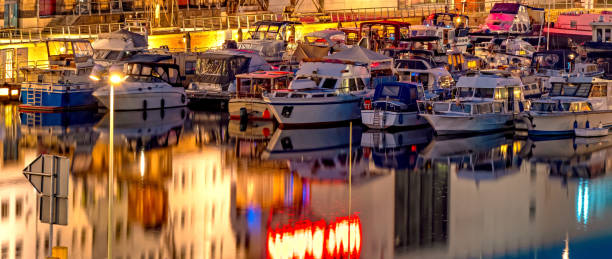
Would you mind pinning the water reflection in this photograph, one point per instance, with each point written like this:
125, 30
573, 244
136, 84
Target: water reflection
197, 185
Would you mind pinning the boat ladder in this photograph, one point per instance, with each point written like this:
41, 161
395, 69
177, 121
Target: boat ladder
34, 97
33, 119
377, 120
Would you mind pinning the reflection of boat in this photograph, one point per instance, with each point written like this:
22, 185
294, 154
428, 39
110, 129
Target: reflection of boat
253, 130
147, 129
306, 143
579, 157
592, 132
250, 87
397, 150
58, 123
480, 157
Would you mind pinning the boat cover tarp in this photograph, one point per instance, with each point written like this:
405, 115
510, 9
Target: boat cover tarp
219, 68
304, 51
362, 55
120, 40
509, 8
404, 92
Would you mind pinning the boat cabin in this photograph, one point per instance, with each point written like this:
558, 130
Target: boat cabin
553, 62
148, 72
397, 96
66, 60
256, 83
274, 30
598, 91
381, 35
424, 71
344, 77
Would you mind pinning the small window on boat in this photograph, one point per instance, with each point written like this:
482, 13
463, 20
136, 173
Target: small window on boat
173, 75
599, 90
390, 90
465, 108
113, 55
318, 95
360, 84
190, 67
329, 83
297, 96
574, 107
608, 36
440, 107
485, 108
498, 107
573, 23
331, 95
466, 92
350, 84
484, 92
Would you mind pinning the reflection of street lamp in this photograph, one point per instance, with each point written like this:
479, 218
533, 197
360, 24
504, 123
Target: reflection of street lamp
115, 78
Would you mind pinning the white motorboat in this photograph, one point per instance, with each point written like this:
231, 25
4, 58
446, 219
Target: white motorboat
394, 105
272, 39
118, 46
573, 102
484, 102
144, 86
322, 93
313, 108
442, 32
248, 102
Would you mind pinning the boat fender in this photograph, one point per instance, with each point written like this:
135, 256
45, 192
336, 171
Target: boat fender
587, 125
244, 116
401, 118
144, 104
144, 115
163, 103
575, 124
182, 98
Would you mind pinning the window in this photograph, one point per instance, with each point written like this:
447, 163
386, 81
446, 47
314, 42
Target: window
608, 36
390, 90
360, 84
113, 55
465, 108
440, 107
599, 90
5, 209
18, 207
190, 67
352, 84
465, 92
573, 24
498, 107
329, 83
484, 92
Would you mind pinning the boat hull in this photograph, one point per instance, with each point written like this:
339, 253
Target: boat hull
448, 124
256, 109
131, 99
565, 123
314, 111
56, 97
389, 119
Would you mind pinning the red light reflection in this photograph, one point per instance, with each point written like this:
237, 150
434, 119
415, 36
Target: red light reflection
316, 240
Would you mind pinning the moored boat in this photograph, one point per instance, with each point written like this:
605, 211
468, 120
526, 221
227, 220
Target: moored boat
144, 86
394, 105
484, 102
248, 102
61, 81
573, 102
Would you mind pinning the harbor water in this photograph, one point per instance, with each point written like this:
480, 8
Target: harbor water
194, 184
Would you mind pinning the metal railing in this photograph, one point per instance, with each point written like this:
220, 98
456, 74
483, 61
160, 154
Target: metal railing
246, 21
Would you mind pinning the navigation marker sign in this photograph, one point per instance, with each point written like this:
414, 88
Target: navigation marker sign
49, 175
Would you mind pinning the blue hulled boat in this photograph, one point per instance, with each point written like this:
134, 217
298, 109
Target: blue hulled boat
59, 82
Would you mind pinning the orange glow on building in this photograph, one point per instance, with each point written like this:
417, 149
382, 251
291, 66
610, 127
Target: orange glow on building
316, 240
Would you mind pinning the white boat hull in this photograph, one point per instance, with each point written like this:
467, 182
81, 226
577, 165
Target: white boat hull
449, 124
256, 108
135, 96
388, 119
592, 132
314, 111
565, 123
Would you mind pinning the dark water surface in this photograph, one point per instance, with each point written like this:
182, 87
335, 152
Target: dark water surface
195, 185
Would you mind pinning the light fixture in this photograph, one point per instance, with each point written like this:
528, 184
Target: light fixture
116, 78
97, 72
62, 49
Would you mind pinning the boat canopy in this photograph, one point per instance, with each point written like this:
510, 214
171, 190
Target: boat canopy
553, 59
153, 72
488, 81
221, 67
121, 40
362, 55
404, 92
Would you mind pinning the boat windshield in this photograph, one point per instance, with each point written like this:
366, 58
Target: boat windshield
151, 73
545, 107
466, 92
462, 107
484, 92
390, 90
565, 89
440, 107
